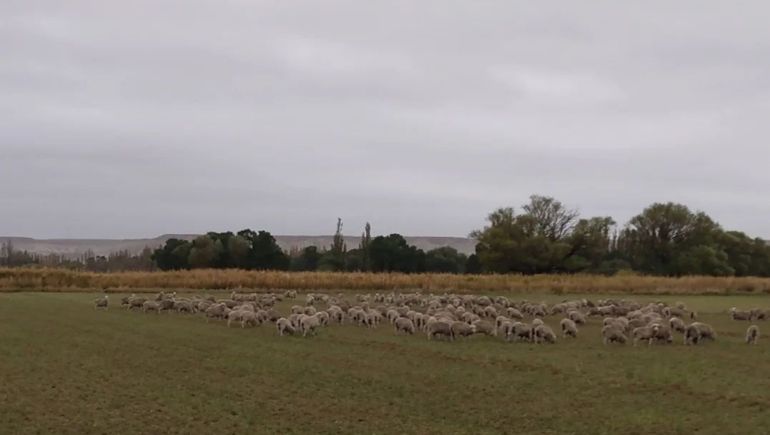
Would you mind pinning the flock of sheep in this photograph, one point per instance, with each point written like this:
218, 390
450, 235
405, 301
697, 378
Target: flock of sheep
451, 316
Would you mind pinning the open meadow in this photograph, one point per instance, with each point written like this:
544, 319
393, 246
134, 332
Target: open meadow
66, 367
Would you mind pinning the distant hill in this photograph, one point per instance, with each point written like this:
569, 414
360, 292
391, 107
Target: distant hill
74, 248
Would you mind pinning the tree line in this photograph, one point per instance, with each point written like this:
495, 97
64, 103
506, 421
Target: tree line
247, 249
544, 236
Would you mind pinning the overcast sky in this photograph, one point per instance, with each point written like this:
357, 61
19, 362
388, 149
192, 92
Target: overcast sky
143, 117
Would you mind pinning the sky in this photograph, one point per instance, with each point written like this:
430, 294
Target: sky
146, 117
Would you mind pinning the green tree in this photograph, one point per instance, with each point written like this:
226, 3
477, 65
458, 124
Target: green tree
445, 260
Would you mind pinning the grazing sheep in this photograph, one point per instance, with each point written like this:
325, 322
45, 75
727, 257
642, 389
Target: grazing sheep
537, 322
513, 313
151, 306
568, 328
403, 324
136, 302
235, 316
521, 331
752, 334
165, 304
484, 327
297, 309
310, 311
284, 326
249, 318
309, 324
544, 333
216, 311
462, 329
760, 314
613, 334
736, 314
661, 332
290, 294
696, 332
643, 333
185, 306
323, 318
577, 317
102, 302
676, 324
440, 328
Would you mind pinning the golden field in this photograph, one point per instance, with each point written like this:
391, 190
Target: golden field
56, 280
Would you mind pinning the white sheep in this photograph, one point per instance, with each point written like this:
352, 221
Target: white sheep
404, 324
309, 324
568, 328
102, 302
613, 334
643, 333
462, 329
284, 326
676, 324
736, 314
439, 328
752, 334
544, 333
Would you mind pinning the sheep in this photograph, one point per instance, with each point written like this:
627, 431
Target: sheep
752, 334
215, 311
249, 318
484, 327
760, 314
513, 313
309, 324
736, 314
284, 326
676, 324
335, 313
404, 324
290, 294
310, 311
643, 333
392, 315
440, 328
568, 328
235, 316
136, 302
102, 302
165, 304
151, 306
537, 322
521, 331
613, 334
462, 329
661, 332
696, 332
544, 333
323, 318
185, 306
297, 309
577, 317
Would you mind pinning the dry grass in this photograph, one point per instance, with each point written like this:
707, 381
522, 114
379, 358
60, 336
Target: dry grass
53, 280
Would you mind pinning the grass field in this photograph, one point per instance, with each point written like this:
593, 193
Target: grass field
66, 368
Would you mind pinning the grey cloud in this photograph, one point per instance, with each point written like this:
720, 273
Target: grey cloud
138, 118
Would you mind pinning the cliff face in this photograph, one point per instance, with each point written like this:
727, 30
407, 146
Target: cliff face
77, 247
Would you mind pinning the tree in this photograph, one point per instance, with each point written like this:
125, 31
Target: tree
394, 254
551, 219
445, 260
658, 240
334, 258
205, 252
307, 260
173, 255
366, 240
